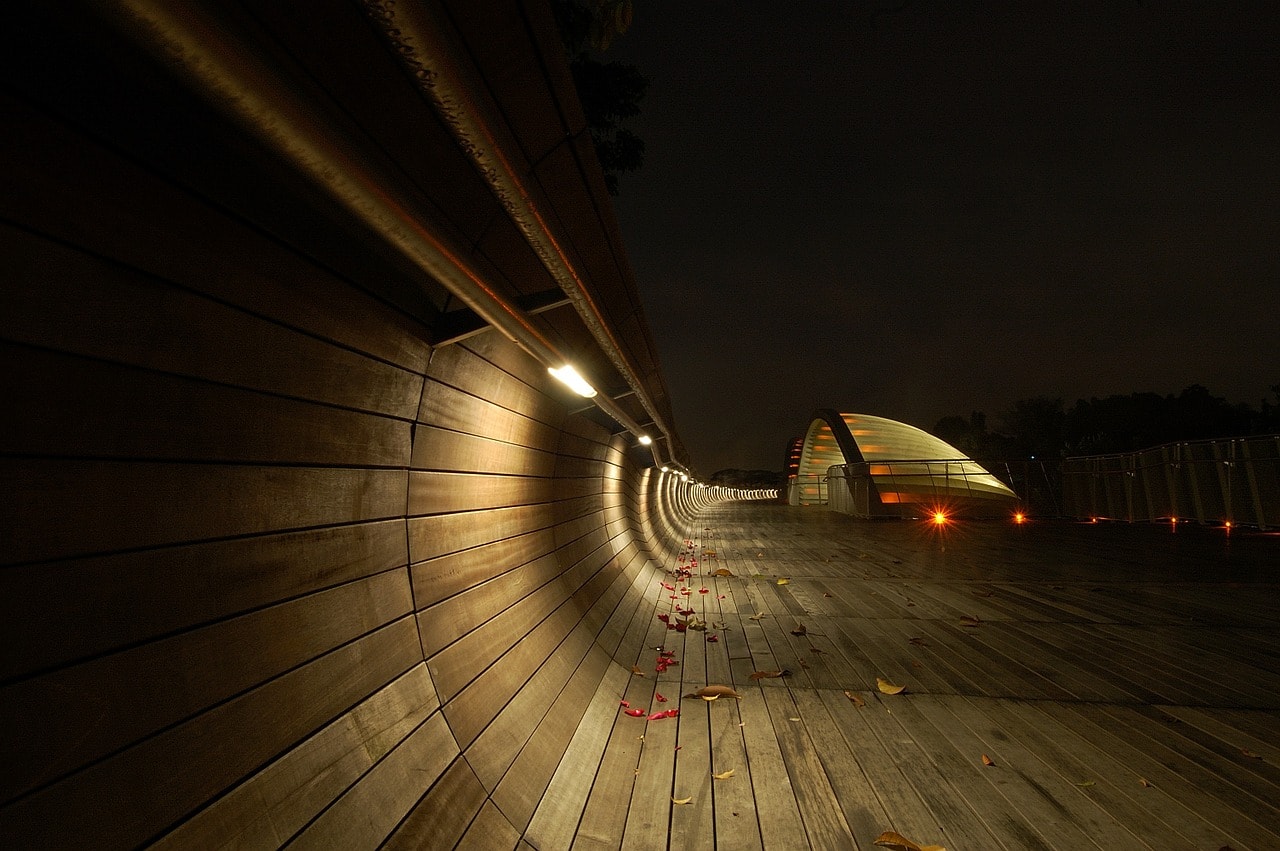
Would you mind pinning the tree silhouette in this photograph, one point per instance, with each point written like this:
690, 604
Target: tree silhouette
610, 92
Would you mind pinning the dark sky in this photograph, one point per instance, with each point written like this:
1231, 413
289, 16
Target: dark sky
951, 207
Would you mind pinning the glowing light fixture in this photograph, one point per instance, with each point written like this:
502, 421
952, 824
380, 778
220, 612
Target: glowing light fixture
645, 440
939, 518
1019, 518
570, 378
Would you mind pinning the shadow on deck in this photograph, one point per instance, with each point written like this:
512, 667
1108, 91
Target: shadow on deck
1122, 681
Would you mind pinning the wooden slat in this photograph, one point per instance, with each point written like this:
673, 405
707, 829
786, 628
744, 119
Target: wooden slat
442, 816
370, 809
278, 801
133, 597
132, 693
196, 761
91, 507
124, 317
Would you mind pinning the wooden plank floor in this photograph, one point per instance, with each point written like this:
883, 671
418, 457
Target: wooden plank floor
1122, 682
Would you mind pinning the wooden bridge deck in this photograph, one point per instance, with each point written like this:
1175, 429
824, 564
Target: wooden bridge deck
1122, 681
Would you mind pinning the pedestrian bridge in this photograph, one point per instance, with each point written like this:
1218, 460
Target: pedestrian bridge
304, 545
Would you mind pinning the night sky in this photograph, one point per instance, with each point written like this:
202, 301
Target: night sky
951, 207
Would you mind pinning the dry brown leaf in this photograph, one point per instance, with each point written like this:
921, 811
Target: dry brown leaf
769, 675
1145, 782
898, 842
1250, 753
856, 698
800, 629
724, 571
986, 760
681, 800
887, 687
917, 641
714, 691
635, 669
724, 775
757, 616
915, 663
970, 621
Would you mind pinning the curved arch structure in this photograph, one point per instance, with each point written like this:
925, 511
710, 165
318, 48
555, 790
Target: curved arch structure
873, 466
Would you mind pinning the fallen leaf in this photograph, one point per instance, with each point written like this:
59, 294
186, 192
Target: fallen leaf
658, 697
664, 713
723, 571
856, 698
757, 616
769, 675
799, 630
681, 800
712, 692
713, 638
917, 641
970, 621
828, 594
1250, 753
724, 775
1086, 784
784, 581
898, 842
986, 760
635, 713
635, 669
887, 687
1145, 782
915, 663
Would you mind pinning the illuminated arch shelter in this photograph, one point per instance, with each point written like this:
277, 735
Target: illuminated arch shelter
876, 467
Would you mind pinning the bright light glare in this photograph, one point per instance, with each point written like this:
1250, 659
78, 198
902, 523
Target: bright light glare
1019, 518
569, 376
939, 518
645, 440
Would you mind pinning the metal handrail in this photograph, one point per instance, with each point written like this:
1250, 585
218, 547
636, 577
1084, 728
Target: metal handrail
190, 39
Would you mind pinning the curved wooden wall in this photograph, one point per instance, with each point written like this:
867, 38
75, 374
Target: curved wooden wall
275, 569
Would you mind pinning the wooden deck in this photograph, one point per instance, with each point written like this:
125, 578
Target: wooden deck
1122, 681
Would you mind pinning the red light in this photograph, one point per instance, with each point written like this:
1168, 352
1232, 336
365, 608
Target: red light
1019, 518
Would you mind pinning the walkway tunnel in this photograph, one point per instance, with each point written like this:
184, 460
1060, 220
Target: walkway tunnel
298, 547
303, 545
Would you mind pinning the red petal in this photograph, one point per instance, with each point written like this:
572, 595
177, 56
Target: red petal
712, 638
658, 697
624, 703
635, 713
704, 590
665, 618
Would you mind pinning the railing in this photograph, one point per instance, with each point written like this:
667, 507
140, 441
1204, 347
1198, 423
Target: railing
807, 490
1234, 481
908, 486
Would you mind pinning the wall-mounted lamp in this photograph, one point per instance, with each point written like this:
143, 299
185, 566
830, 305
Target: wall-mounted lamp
646, 440
570, 378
